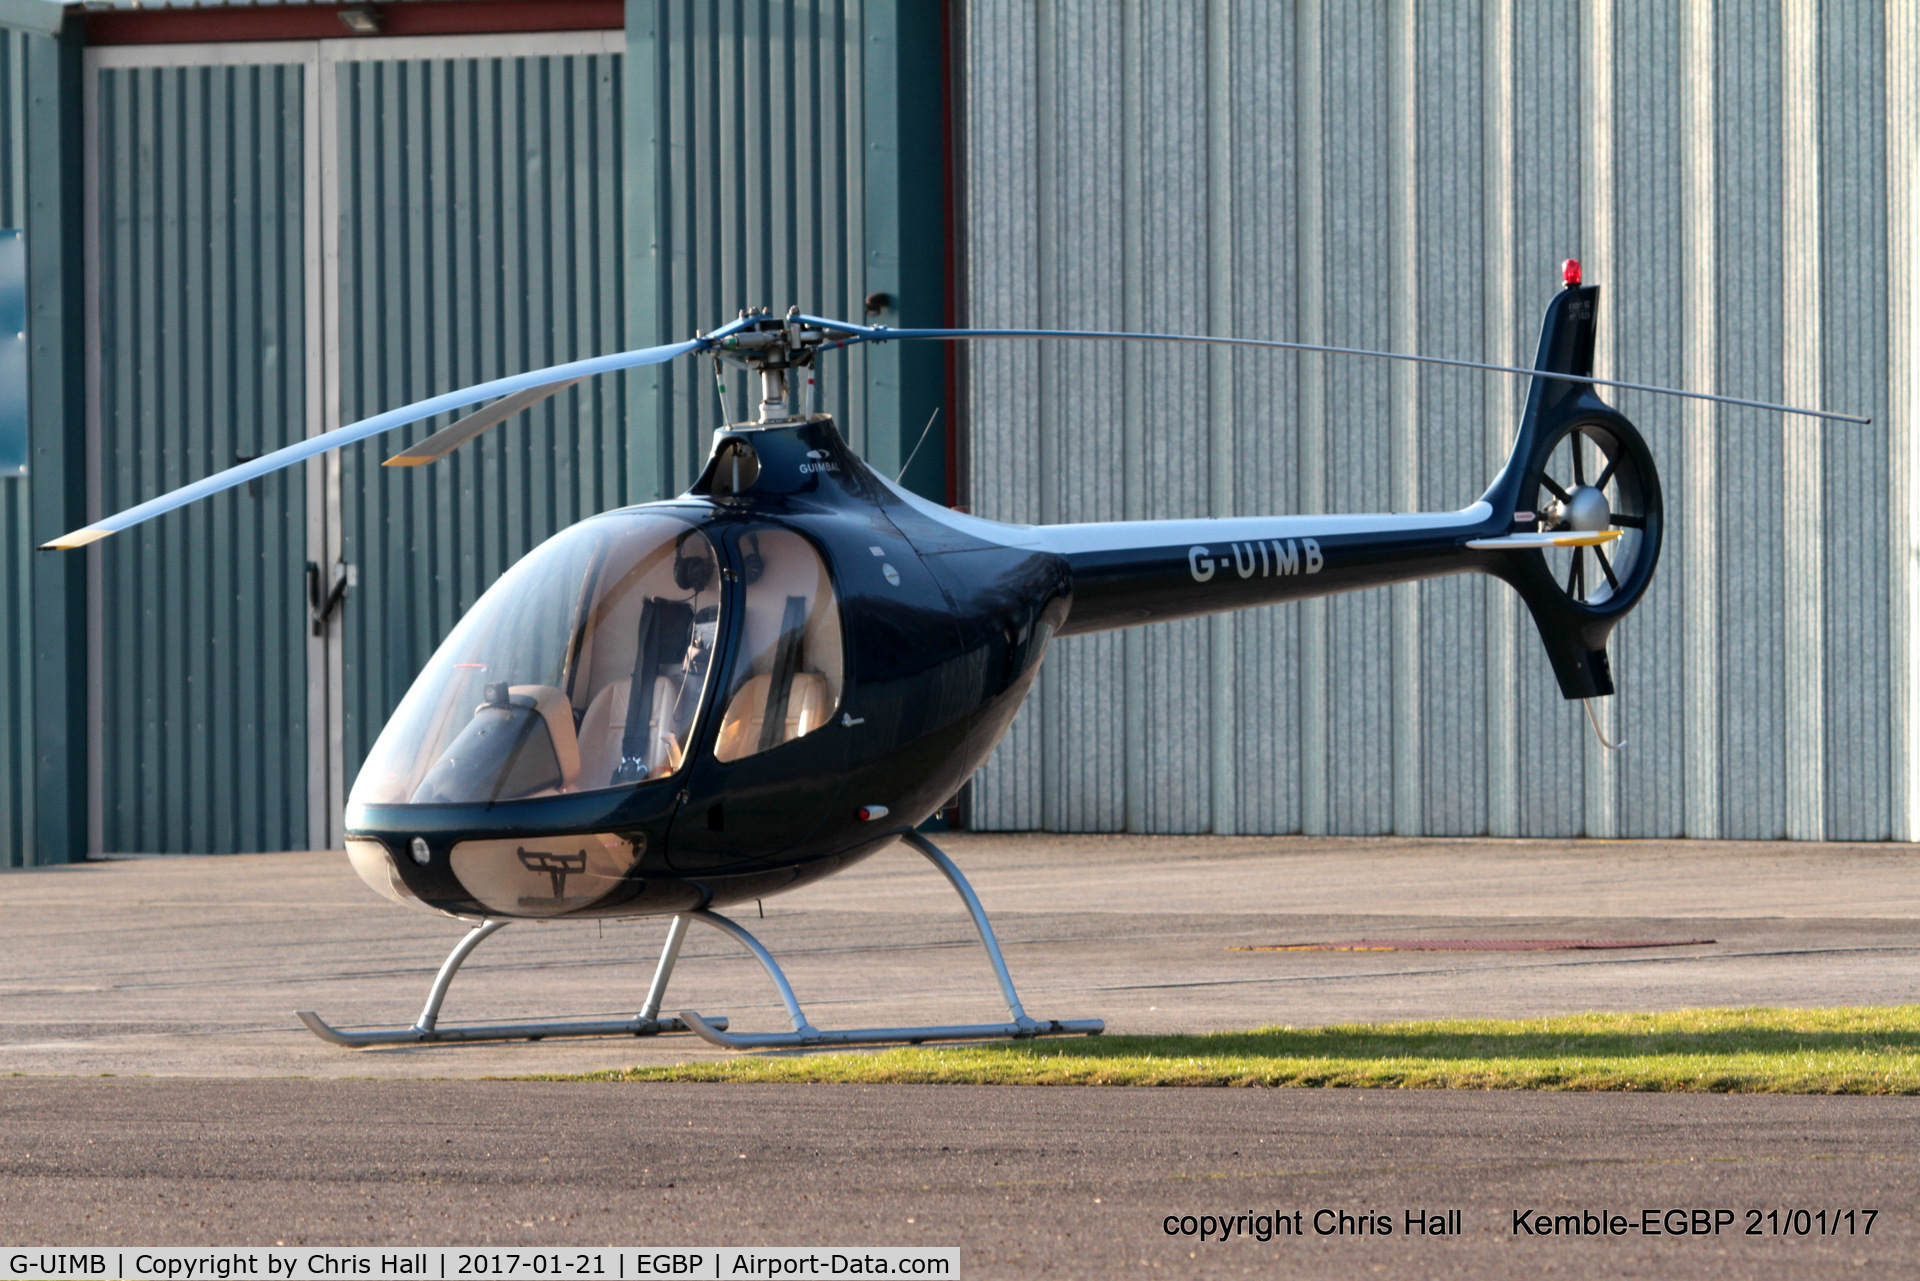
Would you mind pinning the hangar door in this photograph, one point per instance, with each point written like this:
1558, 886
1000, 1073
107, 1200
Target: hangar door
476, 225
199, 338
283, 238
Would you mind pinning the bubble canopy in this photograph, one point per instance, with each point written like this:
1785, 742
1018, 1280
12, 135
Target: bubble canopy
583, 668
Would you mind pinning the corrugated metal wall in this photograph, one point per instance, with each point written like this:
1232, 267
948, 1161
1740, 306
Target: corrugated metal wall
479, 225
757, 197
1409, 176
287, 236
16, 616
199, 262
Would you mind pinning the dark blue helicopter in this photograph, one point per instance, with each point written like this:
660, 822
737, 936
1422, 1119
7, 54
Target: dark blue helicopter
678, 706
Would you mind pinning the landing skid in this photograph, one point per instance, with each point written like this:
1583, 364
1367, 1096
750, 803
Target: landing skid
647, 1022
426, 1029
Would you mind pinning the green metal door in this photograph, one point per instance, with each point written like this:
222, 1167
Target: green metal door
198, 253
477, 215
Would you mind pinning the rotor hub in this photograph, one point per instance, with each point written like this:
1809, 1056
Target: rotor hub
770, 348
1585, 510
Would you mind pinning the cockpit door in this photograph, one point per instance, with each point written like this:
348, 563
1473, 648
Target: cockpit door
771, 769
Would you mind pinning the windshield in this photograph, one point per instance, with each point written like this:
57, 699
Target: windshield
582, 668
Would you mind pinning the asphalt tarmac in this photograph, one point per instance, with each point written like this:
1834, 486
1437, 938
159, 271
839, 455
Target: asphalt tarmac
194, 966
179, 978
1027, 1182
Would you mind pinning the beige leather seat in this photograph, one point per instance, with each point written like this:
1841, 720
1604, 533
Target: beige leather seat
603, 732
740, 729
557, 711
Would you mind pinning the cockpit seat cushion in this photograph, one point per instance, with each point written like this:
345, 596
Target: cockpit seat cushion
603, 732
740, 729
556, 709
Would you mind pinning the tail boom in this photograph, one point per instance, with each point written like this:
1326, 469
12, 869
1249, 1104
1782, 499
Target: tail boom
1133, 572
1128, 573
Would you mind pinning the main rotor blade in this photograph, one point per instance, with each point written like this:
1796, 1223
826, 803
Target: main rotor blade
880, 333
448, 439
313, 446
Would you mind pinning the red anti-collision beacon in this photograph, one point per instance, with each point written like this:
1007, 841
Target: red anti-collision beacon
1570, 272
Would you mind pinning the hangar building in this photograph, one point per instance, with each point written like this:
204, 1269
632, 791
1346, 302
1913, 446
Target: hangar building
243, 224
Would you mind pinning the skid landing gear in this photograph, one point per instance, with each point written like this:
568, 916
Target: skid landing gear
426, 1029
647, 1022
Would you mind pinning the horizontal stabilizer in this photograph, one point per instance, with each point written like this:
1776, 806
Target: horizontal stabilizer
1560, 538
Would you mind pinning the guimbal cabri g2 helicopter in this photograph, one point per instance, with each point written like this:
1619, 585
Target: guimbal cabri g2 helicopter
683, 705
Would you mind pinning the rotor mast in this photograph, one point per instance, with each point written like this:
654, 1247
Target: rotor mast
771, 348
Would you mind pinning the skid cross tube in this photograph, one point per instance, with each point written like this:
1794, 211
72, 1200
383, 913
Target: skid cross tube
805, 1034
426, 1029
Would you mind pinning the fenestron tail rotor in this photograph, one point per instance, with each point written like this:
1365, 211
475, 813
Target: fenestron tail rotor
1580, 499
1588, 541
1596, 483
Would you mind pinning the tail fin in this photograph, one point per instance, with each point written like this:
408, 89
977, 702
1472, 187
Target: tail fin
1604, 474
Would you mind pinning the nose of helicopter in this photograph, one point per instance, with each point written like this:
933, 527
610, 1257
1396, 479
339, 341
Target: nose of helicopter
723, 695
553, 856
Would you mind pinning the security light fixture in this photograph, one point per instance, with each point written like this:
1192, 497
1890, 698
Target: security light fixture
362, 20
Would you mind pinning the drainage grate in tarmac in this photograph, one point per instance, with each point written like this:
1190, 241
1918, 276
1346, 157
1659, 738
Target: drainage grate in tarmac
1469, 945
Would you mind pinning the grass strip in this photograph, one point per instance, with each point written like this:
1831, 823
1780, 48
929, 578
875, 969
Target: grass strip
1844, 1050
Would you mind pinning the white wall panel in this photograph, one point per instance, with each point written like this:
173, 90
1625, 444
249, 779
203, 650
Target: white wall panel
1549, 186
1857, 629
1079, 426
1749, 494
1002, 184
1359, 674
1648, 337
1267, 727
1736, 177
1175, 406
1452, 405
1903, 222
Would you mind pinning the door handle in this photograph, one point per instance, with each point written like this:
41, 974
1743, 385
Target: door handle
322, 600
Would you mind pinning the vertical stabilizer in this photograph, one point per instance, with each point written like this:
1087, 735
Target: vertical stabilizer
1577, 466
